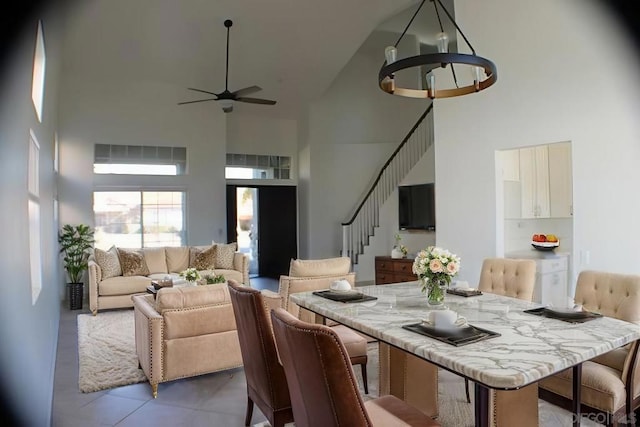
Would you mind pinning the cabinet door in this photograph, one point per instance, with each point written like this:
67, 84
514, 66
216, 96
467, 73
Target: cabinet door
542, 181
527, 182
510, 165
553, 288
560, 180
534, 182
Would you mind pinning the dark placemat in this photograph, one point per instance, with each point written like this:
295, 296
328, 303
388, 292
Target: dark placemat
345, 296
464, 293
571, 317
457, 336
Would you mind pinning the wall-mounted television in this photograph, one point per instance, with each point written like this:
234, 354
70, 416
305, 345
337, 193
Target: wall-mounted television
417, 207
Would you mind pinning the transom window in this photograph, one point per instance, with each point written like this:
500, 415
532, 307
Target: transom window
138, 219
139, 160
252, 166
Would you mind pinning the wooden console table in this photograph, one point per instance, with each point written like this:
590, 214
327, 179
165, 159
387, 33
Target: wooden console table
393, 270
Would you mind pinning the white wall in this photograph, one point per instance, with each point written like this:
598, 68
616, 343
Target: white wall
28, 332
104, 112
564, 74
352, 130
384, 239
248, 134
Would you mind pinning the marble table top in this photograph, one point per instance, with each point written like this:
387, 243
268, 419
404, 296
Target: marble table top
530, 347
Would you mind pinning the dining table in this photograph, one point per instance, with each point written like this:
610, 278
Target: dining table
518, 349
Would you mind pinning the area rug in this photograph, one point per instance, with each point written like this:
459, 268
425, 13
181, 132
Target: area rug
107, 351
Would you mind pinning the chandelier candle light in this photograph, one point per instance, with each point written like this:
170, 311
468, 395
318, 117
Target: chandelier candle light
435, 267
483, 71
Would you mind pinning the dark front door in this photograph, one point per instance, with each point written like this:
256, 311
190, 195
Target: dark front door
276, 225
277, 230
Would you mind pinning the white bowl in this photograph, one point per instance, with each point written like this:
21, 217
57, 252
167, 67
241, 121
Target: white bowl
341, 286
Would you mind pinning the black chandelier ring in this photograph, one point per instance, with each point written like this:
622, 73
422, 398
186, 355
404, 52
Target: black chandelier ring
431, 62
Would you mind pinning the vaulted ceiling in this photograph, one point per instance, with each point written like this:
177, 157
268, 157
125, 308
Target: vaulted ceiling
292, 49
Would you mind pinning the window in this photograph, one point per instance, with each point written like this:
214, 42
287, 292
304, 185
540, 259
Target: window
33, 186
251, 166
37, 83
138, 219
139, 160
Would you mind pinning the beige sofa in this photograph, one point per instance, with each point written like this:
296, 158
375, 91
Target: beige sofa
185, 332
111, 285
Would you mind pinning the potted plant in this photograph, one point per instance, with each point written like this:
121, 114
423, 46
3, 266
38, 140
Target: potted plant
75, 242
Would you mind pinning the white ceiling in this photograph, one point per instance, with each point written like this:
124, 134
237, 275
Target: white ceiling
292, 49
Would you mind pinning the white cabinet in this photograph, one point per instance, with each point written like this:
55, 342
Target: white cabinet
511, 165
551, 281
534, 182
560, 180
538, 181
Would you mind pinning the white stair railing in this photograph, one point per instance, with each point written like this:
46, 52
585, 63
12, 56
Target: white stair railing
366, 217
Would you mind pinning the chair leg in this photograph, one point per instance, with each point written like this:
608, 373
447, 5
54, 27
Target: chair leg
363, 367
247, 419
466, 389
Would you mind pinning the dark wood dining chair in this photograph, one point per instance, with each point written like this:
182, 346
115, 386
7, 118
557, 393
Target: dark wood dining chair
324, 391
266, 380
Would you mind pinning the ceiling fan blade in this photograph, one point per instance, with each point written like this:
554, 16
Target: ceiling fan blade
256, 101
203, 91
246, 91
200, 100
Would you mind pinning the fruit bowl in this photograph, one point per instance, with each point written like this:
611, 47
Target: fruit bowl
545, 246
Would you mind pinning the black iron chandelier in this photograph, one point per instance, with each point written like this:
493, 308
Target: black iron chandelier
483, 71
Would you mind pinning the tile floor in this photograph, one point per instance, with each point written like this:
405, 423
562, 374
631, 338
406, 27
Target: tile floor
217, 399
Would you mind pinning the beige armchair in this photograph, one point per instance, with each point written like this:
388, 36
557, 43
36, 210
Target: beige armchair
185, 332
314, 275
610, 382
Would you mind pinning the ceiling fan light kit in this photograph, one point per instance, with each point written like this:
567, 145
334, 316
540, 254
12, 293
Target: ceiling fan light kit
226, 97
483, 71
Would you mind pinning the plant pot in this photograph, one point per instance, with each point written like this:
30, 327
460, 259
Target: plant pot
76, 293
396, 253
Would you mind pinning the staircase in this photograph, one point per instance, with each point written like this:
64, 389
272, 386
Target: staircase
361, 226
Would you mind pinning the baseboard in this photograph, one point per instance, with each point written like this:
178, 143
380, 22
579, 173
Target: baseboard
365, 283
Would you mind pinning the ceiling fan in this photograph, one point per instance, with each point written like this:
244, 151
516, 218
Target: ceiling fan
227, 98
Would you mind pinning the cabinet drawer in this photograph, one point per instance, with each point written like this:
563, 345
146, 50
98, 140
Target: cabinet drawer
544, 266
382, 265
383, 278
403, 267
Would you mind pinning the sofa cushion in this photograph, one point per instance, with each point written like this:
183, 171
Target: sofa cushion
108, 261
319, 267
155, 259
121, 285
224, 255
205, 259
132, 262
177, 258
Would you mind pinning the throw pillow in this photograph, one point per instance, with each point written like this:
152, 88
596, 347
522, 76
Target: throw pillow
108, 262
204, 259
225, 254
132, 262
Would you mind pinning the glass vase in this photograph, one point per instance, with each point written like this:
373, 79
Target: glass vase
436, 290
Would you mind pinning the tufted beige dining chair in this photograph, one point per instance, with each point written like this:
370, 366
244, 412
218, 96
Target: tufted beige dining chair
513, 278
314, 275
610, 382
